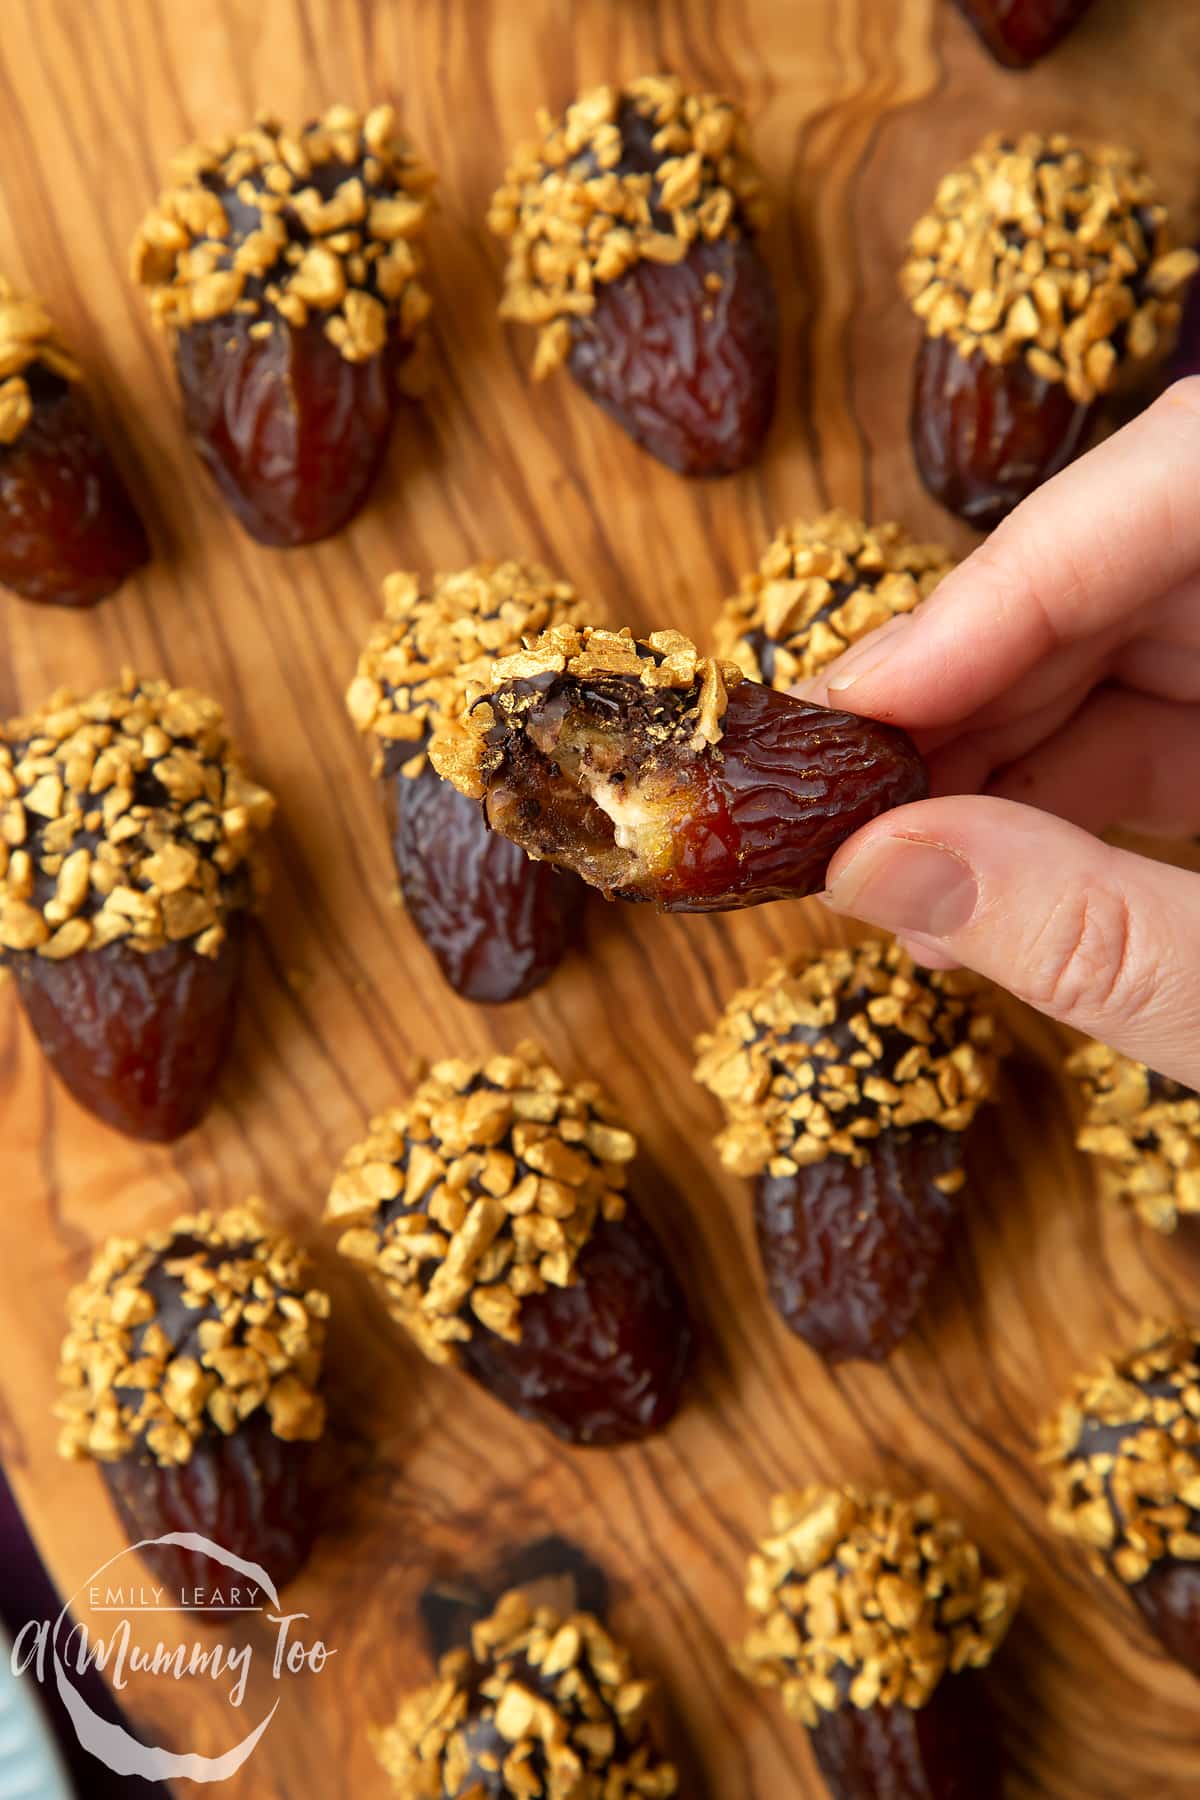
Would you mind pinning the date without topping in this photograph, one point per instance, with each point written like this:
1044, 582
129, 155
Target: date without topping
139, 1040
498, 924
292, 432
684, 356
602, 781
69, 532
944, 1750
1019, 32
848, 1252
985, 435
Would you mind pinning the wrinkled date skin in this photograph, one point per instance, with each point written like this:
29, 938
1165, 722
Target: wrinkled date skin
945, 1750
498, 924
985, 435
250, 1493
1019, 32
849, 1253
1169, 1601
755, 819
138, 1040
69, 532
292, 433
601, 1362
689, 371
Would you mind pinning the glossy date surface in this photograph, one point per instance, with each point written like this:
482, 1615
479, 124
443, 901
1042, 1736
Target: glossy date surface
985, 435
1020, 32
69, 532
292, 433
251, 1493
498, 923
687, 367
601, 1362
1169, 1601
138, 1040
849, 1253
945, 1750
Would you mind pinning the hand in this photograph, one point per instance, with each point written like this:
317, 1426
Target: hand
1053, 682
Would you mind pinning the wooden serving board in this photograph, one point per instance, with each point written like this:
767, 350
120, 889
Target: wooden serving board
858, 106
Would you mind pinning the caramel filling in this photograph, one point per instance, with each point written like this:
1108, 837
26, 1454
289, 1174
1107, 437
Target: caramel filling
598, 780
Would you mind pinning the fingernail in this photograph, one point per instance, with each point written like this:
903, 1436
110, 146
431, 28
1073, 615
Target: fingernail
841, 684
905, 885
863, 660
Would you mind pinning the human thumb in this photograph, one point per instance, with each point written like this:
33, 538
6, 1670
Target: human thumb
1099, 938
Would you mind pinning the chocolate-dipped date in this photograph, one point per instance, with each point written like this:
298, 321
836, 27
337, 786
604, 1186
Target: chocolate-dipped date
285, 266
1123, 1455
131, 856
190, 1374
542, 1703
1045, 280
820, 586
631, 235
848, 1080
870, 1616
493, 1214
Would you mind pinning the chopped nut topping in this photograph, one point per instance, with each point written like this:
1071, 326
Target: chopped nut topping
1145, 1130
127, 815
1124, 1456
828, 1052
140, 1377
286, 225
434, 644
552, 1705
1041, 249
861, 1599
28, 337
666, 661
626, 174
484, 1189
819, 588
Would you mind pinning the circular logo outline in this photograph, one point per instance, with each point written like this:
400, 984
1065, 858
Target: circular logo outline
115, 1747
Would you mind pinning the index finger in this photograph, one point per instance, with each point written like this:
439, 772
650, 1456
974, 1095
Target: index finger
1116, 530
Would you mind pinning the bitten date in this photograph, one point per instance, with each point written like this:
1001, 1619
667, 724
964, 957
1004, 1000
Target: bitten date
498, 924
138, 1040
684, 356
588, 786
292, 432
1020, 32
69, 531
985, 435
944, 1750
848, 1252
603, 1361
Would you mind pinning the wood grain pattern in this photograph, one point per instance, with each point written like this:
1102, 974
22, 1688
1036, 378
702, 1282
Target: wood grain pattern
858, 105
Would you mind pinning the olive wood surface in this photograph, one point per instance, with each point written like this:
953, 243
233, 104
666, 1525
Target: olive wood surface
858, 106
